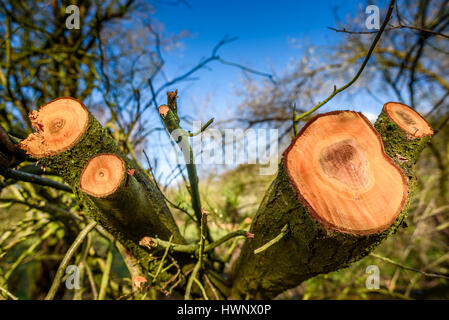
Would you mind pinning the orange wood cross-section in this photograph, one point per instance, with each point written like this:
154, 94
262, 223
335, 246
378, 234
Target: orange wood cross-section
408, 119
102, 175
59, 125
340, 172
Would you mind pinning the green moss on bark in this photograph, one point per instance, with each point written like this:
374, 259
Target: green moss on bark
133, 211
399, 145
123, 203
403, 149
308, 249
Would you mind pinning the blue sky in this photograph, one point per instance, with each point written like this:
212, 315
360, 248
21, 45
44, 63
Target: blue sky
264, 29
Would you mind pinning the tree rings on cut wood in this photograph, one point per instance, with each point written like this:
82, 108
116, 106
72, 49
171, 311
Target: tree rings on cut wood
102, 175
73, 144
340, 194
340, 172
59, 125
408, 119
405, 134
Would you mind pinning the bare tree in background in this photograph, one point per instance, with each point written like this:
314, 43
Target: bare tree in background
115, 65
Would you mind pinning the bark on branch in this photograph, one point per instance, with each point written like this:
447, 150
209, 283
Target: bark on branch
340, 193
114, 190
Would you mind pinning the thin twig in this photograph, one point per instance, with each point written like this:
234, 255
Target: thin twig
78, 295
9, 294
90, 277
211, 286
171, 122
228, 255
157, 186
203, 128
400, 26
295, 123
202, 237
227, 237
203, 63
106, 273
432, 275
191, 279
48, 233
65, 261
177, 275
173, 278
191, 248
200, 285
131, 262
46, 207
161, 263
32, 178
284, 231
152, 242
365, 61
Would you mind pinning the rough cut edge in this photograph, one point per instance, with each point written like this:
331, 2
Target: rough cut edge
103, 195
163, 110
34, 135
309, 208
412, 137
